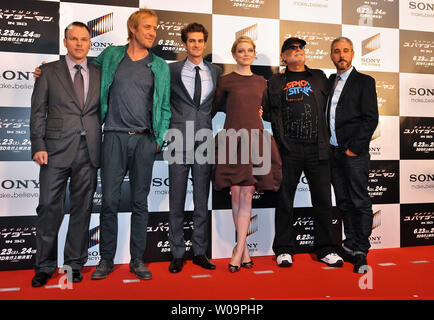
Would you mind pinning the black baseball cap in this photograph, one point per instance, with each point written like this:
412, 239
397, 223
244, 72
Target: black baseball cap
290, 41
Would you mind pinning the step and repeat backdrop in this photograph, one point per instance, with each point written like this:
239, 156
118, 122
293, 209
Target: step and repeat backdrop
393, 42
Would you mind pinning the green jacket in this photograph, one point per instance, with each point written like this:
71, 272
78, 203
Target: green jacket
109, 60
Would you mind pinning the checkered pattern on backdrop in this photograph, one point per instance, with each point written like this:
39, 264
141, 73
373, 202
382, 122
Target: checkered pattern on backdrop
393, 42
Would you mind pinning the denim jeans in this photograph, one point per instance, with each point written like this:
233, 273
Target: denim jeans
350, 182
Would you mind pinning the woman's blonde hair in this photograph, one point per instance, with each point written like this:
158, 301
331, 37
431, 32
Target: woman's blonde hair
133, 20
242, 39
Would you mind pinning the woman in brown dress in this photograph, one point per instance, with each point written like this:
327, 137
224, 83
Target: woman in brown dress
247, 157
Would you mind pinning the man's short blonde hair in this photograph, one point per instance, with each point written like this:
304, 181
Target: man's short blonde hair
133, 20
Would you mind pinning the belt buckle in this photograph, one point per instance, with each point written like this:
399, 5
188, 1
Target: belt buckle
131, 133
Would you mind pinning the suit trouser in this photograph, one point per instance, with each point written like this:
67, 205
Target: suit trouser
122, 152
178, 177
50, 211
304, 157
350, 182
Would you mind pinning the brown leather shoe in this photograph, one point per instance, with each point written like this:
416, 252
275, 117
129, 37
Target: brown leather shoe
138, 267
102, 270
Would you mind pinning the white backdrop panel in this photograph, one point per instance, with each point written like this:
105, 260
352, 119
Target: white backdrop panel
19, 188
325, 11
16, 77
416, 98
259, 241
265, 36
416, 181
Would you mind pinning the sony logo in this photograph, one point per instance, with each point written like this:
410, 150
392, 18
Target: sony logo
19, 184
371, 60
158, 182
421, 5
375, 238
421, 92
101, 44
16, 75
421, 177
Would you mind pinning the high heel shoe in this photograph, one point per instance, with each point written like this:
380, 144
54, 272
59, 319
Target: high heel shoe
247, 265
233, 268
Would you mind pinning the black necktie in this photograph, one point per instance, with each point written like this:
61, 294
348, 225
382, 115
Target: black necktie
197, 87
79, 85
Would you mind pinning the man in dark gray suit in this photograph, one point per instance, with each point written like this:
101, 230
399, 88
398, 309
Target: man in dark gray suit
66, 138
193, 84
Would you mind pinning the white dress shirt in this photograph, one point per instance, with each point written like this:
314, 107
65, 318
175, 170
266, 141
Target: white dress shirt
188, 74
84, 72
334, 102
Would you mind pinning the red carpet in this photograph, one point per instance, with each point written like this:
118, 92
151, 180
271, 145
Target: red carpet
403, 273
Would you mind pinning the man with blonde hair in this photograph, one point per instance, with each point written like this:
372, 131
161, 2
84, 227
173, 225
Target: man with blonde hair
135, 110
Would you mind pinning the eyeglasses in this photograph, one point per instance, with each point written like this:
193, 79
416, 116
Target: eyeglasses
292, 47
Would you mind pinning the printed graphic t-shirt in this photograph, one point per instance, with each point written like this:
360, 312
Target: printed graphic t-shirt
299, 112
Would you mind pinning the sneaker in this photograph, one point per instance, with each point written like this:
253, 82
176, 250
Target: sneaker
284, 260
332, 260
102, 270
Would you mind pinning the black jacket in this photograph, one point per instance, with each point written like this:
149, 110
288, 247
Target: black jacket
356, 112
272, 107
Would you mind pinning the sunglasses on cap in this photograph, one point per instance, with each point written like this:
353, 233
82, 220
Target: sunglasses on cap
293, 47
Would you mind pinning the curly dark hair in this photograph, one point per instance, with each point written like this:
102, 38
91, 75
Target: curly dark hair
193, 27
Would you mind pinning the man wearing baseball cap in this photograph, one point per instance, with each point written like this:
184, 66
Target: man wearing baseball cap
294, 103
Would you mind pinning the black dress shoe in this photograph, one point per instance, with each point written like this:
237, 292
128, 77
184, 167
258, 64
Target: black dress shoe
176, 265
40, 279
76, 276
360, 264
203, 261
